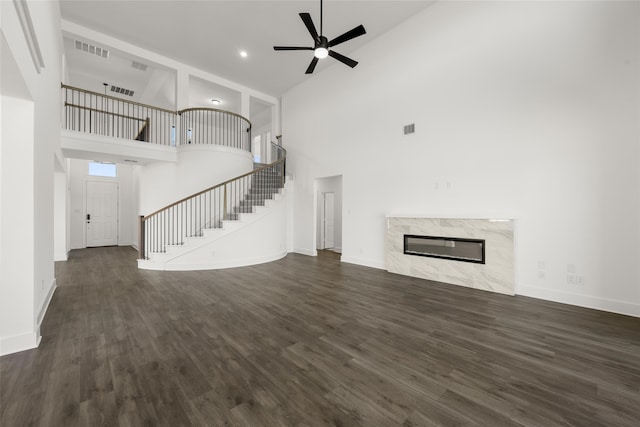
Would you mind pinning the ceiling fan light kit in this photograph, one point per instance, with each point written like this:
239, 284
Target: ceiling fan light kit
321, 45
321, 52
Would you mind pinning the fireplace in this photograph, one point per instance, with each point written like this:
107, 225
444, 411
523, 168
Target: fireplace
473, 252
453, 248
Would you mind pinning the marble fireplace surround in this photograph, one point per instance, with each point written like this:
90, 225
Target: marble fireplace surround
496, 275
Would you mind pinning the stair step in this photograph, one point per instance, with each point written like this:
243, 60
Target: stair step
265, 188
243, 209
251, 204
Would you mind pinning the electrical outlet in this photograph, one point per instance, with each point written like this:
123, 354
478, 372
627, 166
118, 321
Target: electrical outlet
580, 280
541, 265
542, 274
571, 279
571, 268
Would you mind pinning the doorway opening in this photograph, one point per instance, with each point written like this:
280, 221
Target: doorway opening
329, 213
262, 116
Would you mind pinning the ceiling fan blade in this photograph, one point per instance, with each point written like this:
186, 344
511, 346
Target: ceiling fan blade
306, 18
291, 48
351, 34
312, 66
348, 61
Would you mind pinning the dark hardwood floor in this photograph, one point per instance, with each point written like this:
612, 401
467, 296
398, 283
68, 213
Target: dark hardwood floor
312, 342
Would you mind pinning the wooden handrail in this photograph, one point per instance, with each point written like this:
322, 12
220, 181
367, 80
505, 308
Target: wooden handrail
64, 86
68, 104
284, 156
186, 110
115, 98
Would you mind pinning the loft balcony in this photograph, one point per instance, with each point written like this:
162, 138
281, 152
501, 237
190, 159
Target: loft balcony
97, 126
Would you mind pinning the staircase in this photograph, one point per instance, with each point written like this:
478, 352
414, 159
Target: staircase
239, 222
265, 183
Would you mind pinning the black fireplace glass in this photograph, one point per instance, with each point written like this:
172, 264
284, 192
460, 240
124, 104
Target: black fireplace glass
453, 248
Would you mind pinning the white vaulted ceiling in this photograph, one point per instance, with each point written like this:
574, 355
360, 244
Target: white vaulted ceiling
210, 34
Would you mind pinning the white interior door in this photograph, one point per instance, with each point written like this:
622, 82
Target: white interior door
102, 213
329, 220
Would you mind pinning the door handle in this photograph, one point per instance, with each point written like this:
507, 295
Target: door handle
88, 218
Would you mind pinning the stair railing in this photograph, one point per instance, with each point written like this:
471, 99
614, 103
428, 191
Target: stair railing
189, 217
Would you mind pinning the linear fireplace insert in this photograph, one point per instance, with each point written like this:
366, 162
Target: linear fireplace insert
467, 250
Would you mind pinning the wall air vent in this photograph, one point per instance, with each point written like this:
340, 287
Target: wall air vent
409, 129
139, 66
121, 91
94, 50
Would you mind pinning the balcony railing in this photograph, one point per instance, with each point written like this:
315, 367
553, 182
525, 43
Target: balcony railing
203, 125
101, 114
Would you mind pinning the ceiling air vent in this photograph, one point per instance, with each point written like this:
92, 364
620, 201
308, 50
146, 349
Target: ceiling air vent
139, 66
94, 50
121, 91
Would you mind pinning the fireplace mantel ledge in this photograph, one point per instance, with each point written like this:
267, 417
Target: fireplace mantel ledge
455, 216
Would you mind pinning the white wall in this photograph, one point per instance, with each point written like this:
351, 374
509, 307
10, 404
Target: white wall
127, 203
60, 216
28, 290
135, 203
128, 207
333, 185
199, 167
522, 109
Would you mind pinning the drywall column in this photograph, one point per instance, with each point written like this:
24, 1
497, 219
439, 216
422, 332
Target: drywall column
245, 104
276, 122
182, 89
182, 98
60, 202
17, 246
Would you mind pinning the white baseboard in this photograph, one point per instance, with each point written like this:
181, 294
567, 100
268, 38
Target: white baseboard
363, 261
17, 343
587, 301
47, 301
134, 246
61, 256
306, 251
31, 340
212, 265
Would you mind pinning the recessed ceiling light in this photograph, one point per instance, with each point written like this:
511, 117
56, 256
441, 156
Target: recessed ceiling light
216, 102
243, 53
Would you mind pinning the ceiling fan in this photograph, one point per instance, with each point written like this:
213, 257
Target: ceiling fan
321, 45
